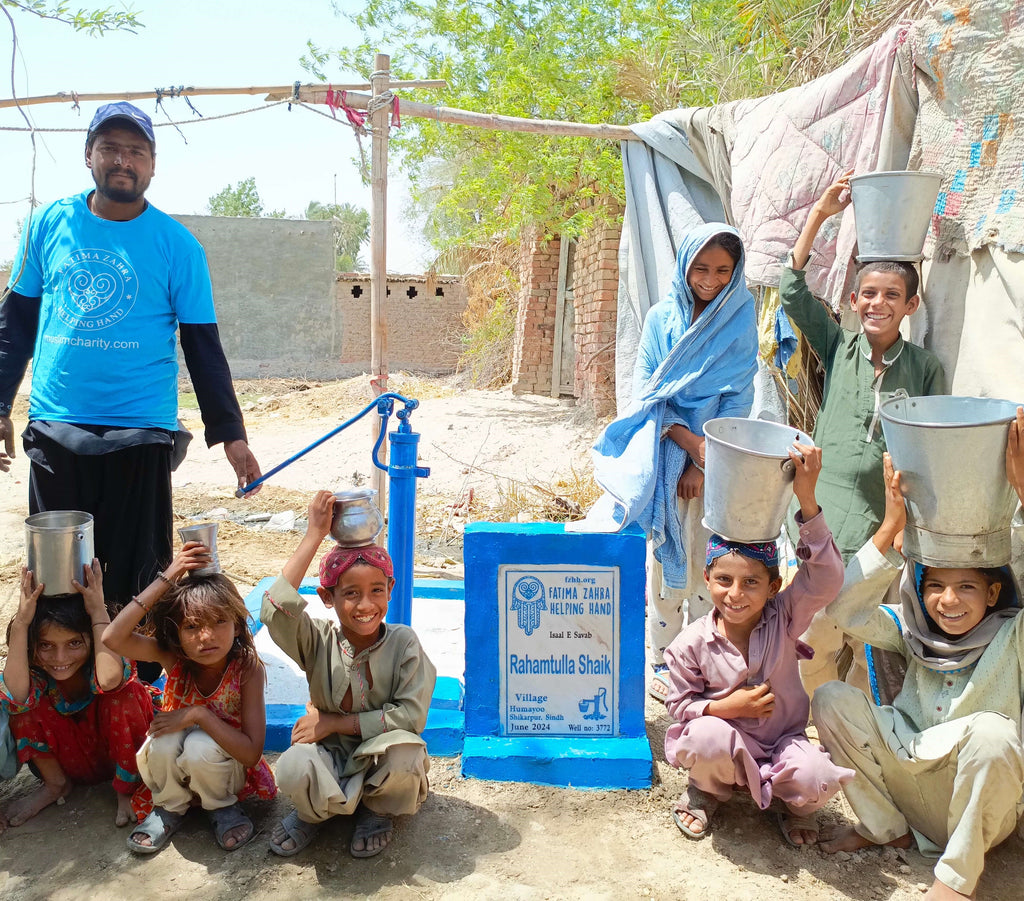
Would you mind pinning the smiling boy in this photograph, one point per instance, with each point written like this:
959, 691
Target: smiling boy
861, 371
358, 749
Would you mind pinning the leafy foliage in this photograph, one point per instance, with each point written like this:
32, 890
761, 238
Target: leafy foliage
241, 200
91, 21
351, 231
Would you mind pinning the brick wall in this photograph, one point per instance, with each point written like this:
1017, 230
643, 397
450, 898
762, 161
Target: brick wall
424, 323
596, 279
595, 290
535, 316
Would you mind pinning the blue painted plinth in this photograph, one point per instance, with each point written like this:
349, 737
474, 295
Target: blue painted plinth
547, 620
566, 761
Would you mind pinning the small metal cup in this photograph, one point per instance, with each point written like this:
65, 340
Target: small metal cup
206, 533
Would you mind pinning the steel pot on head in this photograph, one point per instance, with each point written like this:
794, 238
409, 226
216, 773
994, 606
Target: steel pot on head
951, 454
357, 521
204, 533
58, 544
748, 477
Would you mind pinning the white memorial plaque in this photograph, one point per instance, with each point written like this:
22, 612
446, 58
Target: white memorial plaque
559, 649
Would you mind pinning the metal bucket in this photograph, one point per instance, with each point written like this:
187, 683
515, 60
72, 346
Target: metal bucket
58, 544
357, 521
951, 452
204, 533
893, 210
748, 477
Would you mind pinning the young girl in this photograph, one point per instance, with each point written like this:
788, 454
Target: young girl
696, 361
944, 763
78, 711
208, 740
740, 710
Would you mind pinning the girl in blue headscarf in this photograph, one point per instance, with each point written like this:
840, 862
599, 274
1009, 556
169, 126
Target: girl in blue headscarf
696, 361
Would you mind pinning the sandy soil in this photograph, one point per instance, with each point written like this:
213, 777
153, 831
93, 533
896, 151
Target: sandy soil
488, 452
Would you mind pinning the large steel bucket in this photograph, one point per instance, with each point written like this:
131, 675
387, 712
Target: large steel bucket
748, 479
893, 210
951, 452
58, 544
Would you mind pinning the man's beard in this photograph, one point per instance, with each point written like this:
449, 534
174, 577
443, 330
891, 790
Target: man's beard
120, 195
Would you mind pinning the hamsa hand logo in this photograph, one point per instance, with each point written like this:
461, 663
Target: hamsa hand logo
528, 601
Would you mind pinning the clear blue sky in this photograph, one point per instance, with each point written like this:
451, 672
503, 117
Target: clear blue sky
294, 156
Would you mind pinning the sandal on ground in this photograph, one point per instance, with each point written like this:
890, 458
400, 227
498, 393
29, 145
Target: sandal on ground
659, 687
699, 805
790, 822
224, 819
370, 825
299, 831
159, 826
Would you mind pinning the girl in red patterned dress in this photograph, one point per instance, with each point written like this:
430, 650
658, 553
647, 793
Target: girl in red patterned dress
78, 711
207, 741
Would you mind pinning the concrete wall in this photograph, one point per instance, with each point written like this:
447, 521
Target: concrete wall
285, 313
424, 322
273, 282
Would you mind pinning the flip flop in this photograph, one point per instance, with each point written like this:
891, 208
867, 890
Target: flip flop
160, 825
659, 687
699, 805
368, 826
789, 822
299, 831
224, 819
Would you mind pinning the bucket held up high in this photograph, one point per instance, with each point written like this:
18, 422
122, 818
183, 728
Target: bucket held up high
58, 544
951, 452
893, 211
748, 477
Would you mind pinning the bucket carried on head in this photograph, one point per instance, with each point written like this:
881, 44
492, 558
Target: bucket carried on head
951, 453
204, 533
748, 477
893, 211
58, 544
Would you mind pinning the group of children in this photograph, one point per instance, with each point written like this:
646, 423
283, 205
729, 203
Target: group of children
943, 764
79, 713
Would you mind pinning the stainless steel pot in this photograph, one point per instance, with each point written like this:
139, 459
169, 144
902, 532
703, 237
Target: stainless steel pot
58, 544
357, 521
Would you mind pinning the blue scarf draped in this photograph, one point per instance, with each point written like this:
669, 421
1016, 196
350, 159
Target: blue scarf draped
699, 362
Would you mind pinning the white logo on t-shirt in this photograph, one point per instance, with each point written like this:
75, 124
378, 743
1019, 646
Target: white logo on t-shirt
95, 289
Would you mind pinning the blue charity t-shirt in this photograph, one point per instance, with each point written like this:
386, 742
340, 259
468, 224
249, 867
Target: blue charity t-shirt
112, 294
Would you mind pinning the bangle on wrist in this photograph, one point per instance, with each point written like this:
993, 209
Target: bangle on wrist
105, 622
163, 578
143, 606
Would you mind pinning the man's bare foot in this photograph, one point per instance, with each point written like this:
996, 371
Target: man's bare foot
124, 814
25, 808
849, 839
942, 892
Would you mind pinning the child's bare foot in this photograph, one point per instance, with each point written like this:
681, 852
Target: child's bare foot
942, 892
25, 808
849, 839
798, 830
124, 814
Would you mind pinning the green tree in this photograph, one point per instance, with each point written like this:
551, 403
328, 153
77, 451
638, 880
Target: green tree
241, 200
93, 21
351, 231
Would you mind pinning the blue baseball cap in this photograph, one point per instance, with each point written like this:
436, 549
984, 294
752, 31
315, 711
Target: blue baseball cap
123, 110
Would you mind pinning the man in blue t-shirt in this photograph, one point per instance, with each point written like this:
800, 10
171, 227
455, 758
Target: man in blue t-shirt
101, 284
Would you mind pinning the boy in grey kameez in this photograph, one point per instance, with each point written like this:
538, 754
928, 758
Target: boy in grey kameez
358, 747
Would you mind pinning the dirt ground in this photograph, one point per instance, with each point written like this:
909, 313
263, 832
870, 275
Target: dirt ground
490, 454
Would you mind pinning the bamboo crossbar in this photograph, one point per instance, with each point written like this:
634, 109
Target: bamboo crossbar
276, 92
318, 94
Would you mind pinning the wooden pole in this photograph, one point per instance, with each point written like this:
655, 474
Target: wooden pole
380, 118
275, 92
318, 93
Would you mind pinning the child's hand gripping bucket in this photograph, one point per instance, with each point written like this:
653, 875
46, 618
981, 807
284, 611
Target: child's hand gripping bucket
951, 452
748, 477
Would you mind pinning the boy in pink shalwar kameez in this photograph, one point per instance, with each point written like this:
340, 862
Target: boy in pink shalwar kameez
740, 709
